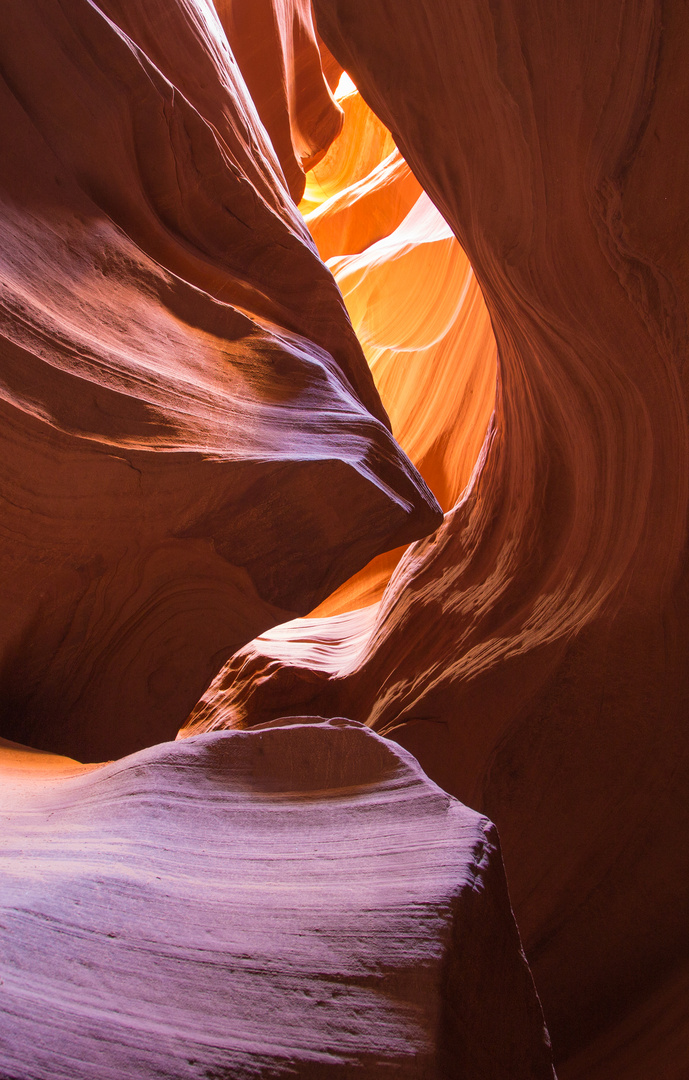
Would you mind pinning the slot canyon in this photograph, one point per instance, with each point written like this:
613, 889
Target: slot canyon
344, 659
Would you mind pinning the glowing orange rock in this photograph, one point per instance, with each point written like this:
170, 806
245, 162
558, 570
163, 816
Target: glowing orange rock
418, 312
420, 317
367, 210
351, 159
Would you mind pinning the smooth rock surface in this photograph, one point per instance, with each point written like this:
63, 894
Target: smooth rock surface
416, 307
298, 900
367, 210
276, 48
192, 445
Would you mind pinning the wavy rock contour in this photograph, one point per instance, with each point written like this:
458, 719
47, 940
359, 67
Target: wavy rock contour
193, 447
299, 900
532, 652
276, 48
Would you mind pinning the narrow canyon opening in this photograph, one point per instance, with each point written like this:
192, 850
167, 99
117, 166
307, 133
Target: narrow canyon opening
419, 314
420, 317
415, 306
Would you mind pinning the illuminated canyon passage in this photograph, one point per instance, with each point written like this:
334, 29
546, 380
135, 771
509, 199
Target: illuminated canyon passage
345, 469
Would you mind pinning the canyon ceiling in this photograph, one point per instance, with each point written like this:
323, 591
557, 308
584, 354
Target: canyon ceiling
344, 482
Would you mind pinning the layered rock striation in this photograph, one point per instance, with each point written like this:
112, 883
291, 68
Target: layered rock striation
194, 449
532, 652
193, 446
299, 900
280, 59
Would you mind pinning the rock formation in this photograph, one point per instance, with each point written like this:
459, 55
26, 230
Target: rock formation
532, 653
416, 307
193, 447
296, 901
195, 450
276, 48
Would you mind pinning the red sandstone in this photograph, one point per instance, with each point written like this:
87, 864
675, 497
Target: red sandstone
195, 450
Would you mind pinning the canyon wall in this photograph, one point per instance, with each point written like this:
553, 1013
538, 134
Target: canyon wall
532, 652
279, 57
195, 449
193, 446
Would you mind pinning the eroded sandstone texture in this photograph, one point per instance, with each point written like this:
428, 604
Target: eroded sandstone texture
192, 444
194, 450
416, 307
296, 901
276, 48
532, 653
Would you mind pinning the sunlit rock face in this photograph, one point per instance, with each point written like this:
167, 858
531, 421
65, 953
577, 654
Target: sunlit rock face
532, 653
416, 307
420, 316
276, 49
296, 901
193, 446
